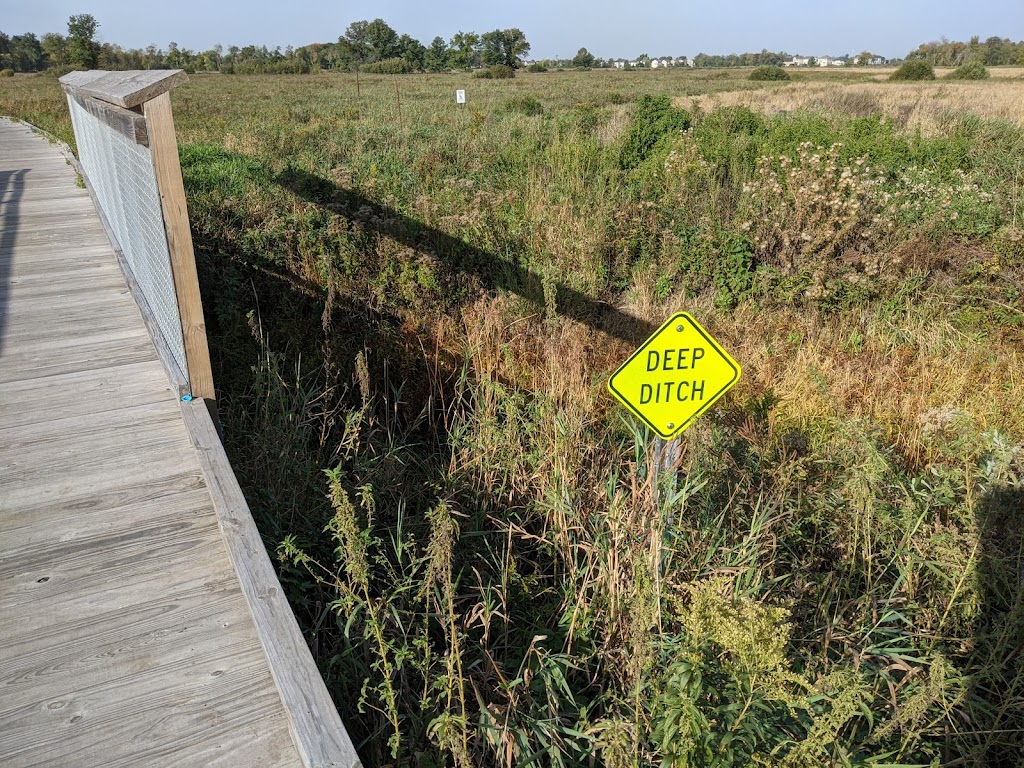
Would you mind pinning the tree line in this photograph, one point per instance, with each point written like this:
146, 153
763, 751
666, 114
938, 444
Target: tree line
374, 46
993, 52
365, 45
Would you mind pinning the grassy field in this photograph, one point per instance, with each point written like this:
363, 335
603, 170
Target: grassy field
414, 308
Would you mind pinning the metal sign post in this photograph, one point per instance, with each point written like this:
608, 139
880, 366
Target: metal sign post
674, 377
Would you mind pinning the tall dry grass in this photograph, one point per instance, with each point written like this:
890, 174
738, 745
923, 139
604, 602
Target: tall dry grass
928, 106
826, 570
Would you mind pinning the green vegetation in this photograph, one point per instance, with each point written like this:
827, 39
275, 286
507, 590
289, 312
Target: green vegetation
655, 121
770, 73
413, 323
495, 72
993, 52
394, 66
914, 70
972, 70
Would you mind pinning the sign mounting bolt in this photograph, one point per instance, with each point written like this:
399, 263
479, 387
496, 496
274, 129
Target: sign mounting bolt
679, 328
671, 425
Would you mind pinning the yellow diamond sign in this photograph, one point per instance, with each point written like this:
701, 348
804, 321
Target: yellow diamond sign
675, 376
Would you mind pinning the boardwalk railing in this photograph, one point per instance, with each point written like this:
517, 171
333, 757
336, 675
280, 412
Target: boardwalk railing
129, 155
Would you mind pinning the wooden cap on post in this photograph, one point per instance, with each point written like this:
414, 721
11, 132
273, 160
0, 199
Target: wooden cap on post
127, 89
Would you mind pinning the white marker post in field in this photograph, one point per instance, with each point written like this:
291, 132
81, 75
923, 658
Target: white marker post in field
460, 96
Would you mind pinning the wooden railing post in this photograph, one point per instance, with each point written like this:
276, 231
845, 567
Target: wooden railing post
166, 164
148, 216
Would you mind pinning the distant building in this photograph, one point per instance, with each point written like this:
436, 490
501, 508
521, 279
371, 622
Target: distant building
797, 61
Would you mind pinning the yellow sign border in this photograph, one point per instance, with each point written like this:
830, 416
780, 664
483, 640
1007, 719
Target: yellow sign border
711, 401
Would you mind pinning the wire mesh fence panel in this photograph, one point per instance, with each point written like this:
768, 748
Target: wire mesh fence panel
124, 182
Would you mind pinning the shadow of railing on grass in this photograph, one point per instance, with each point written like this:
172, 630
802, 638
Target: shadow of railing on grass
11, 186
495, 271
998, 725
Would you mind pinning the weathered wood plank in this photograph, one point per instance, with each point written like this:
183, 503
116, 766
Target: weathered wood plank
75, 394
129, 124
124, 89
56, 234
70, 304
316, 728
166, 165
128, 498
183, 714
36, 288
44, 262
83, 353
127, 639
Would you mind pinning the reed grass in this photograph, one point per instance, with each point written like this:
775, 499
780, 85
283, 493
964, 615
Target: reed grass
413, 323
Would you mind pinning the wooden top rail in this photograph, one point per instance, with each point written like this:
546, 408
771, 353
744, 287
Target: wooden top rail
123, 89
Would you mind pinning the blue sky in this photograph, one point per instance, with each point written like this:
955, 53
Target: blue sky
608, 28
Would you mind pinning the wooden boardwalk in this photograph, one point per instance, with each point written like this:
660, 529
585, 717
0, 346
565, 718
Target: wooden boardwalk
125, 637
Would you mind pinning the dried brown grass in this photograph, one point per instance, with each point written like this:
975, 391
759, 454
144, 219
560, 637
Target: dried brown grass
928, 106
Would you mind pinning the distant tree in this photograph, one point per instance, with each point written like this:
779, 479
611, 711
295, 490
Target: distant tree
83, 51
383, 40
354, 48
583, 58
435, 58
464, 50
55, 49
21, 53
504, 46
412, 52
154, 57
173, 57
996, 52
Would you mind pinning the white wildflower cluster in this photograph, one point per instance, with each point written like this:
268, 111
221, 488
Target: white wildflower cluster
921, 197
812, 208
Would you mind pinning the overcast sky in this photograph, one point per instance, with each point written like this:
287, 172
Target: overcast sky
608, 28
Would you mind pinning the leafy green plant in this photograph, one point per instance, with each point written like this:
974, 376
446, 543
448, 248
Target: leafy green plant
393, 66
525, 105
654, 120
495, 72
769, 74
971, 70
913, 70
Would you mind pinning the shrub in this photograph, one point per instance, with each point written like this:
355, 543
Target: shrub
526, 105
654, 119
770, 73
914, 70
972, 70
395, 66
496, 72
536, 67
6, 73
